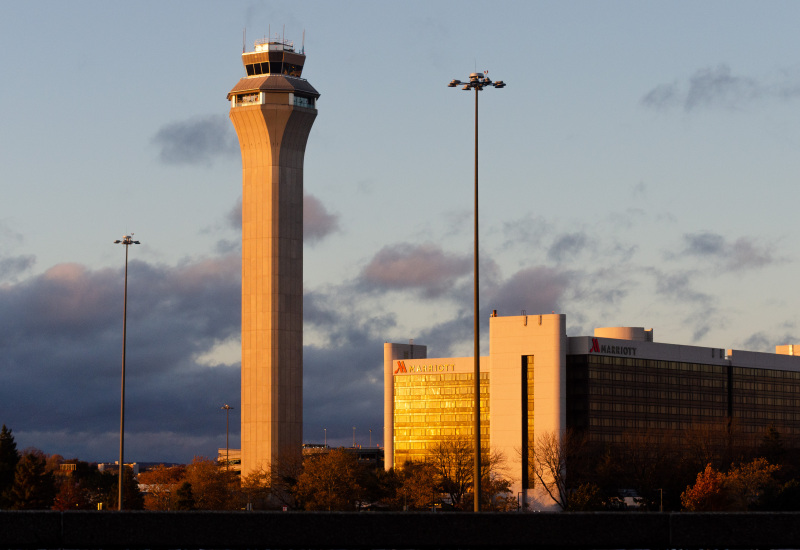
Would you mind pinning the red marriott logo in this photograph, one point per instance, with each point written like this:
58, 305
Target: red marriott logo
611, 350
401, 367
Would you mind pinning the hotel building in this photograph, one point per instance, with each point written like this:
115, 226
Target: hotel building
538, 380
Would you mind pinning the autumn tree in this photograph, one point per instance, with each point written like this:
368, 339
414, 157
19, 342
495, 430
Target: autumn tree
213, 486
739, 489
419, 485
256, 488
160, 484
9, 457
330, 481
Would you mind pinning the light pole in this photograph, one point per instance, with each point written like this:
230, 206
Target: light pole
127, 240
326, 437
354, 437
477, 82
227, 409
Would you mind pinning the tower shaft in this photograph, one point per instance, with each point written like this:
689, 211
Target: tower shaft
273, 115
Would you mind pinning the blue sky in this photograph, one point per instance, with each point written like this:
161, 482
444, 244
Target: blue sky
639, 169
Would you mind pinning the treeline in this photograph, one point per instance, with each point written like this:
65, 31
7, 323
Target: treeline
333, 479
32, 480
703, 469
706, 468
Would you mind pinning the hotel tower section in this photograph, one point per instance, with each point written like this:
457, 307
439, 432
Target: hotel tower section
272, 109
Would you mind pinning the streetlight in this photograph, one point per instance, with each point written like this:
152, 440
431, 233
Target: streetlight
354, 437
227, 409
326, 437
477, 82
127, 240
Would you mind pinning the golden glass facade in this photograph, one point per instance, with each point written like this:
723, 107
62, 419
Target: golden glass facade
431, 408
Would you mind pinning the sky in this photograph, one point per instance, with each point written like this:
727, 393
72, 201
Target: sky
639, 169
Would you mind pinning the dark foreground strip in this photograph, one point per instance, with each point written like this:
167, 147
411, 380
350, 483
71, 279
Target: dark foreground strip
276, 530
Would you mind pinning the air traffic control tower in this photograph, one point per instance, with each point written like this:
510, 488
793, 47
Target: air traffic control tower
272, 109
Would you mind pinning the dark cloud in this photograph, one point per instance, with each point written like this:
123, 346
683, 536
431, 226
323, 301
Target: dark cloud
60, 340
677, 287
318, 223
739, 255
528, 231
535, 290
425, 268
567, 246
11, 268
711, 87
197, 141
234, 217
61, 348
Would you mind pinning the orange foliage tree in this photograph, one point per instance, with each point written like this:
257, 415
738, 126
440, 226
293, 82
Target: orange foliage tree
737, 490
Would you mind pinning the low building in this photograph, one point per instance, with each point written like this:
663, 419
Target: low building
537, 380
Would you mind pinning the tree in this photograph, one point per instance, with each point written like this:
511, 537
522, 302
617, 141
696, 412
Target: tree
586, 498
454, 460
739, 489
330, 481
771, 446
9, 457
212, 485
184, 497
419, 485
256, 489
551, 457
283, 476
160, 484
70, 496
33, 487
133, 498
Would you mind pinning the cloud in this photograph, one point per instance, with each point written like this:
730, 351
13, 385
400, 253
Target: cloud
318, 223
425, 268
534, 289
197, 141
677, 286
567, 245
11, 268
61, 346
713, 87
739, 255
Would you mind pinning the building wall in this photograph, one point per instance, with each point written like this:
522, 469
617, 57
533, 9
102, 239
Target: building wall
511, 341
272, 136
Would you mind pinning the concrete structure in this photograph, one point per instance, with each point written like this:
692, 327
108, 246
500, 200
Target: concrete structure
537, 380
272, 109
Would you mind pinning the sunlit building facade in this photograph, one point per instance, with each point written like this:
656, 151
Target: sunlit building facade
537, 380
272, 109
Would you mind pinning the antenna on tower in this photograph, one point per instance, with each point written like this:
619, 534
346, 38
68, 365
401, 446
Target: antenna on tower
244, 38
303, 44
283, 34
